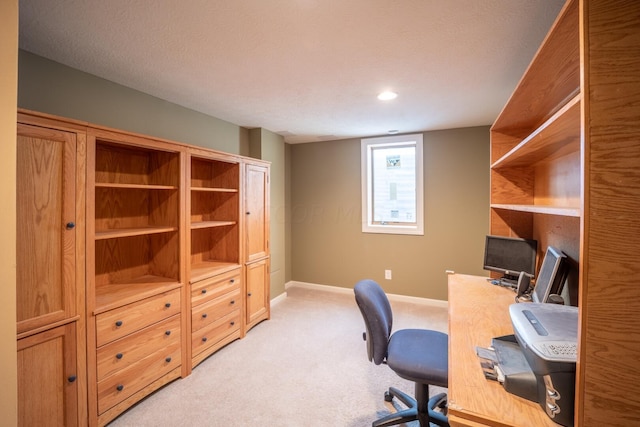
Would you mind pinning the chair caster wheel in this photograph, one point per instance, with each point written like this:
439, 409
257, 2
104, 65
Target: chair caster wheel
388, 397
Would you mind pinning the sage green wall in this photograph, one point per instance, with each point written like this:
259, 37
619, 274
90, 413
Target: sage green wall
53, 88
329, 248
8, 97
269, 146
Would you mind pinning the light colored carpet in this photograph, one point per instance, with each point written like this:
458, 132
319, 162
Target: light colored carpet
306, 367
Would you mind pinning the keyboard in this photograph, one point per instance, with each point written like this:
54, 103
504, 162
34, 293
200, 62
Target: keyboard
558, 351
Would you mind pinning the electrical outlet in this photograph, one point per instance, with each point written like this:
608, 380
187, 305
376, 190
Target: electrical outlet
387, 274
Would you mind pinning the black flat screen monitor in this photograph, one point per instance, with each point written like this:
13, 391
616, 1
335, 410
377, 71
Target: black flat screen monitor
510, 256
552, 275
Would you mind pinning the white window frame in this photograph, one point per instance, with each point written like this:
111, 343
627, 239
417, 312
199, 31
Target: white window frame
367, 145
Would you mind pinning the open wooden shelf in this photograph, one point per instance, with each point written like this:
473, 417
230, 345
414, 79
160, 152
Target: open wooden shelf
540, 209
116, 295
135, 186
131, 232
552, 78
205, 269
214, 215
211, 224
557, 137
215, 190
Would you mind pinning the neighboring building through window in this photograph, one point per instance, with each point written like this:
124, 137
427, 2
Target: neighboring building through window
392, 200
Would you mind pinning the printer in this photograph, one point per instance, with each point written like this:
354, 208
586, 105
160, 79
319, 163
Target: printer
547, 335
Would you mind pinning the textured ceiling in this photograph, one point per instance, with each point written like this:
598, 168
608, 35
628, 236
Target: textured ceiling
307, 69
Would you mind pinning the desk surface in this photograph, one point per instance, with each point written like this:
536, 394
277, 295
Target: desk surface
478, 311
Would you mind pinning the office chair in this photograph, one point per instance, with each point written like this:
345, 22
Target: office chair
417, 355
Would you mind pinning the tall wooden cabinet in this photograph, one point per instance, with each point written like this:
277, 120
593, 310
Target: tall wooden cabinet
134, 264
256, 243
50, 272
135, 268
215, 272
565, 152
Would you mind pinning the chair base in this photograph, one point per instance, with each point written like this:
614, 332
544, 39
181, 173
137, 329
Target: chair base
426, 415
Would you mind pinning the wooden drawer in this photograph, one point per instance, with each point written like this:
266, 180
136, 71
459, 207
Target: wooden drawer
206, 290
214, 332
122, 321
135, 377
126, 351
207, 313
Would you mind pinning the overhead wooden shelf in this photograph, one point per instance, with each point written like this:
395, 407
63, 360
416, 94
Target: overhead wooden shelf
558, 136
540, 209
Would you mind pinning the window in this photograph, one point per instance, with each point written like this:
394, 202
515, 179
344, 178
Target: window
392, 200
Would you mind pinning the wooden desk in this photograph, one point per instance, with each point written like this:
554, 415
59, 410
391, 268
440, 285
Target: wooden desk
478, 311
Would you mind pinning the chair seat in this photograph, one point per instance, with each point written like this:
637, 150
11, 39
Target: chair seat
420, 355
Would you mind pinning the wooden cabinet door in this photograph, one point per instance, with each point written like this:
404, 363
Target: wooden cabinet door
256, 212
47, 383
257, 291
46, 235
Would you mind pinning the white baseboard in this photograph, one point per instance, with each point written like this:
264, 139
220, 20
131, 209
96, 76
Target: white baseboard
277, 300
337, 289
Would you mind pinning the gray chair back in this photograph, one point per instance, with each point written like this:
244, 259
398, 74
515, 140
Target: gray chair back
378, 319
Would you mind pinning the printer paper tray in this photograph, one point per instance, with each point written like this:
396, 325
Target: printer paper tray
519, 379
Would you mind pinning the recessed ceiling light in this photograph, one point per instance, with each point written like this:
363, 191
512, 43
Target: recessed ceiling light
387, 95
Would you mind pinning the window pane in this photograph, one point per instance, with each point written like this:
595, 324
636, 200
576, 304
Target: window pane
394, 184
392, 199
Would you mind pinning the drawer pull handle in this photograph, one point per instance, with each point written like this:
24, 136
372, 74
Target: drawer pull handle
233, 280
233, 323
119, 323
119, 387
168, 359
204, 315
70, 225
204, 291
204, 339
249, 294
119, 356
233, 301
167, 332
72, 378
168, 305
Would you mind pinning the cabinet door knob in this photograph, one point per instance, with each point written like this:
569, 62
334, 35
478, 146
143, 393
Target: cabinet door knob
249, 294
168, 359
233, 323
70, 225
233, 301
248, 213
204, 315
168, 305
119, 356
204, 339
204, 291
72, 378
119, 323
232, 280
167, 332
119, 387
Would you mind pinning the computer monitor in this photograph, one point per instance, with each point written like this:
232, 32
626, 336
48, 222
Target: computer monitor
552, 275
510, 256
